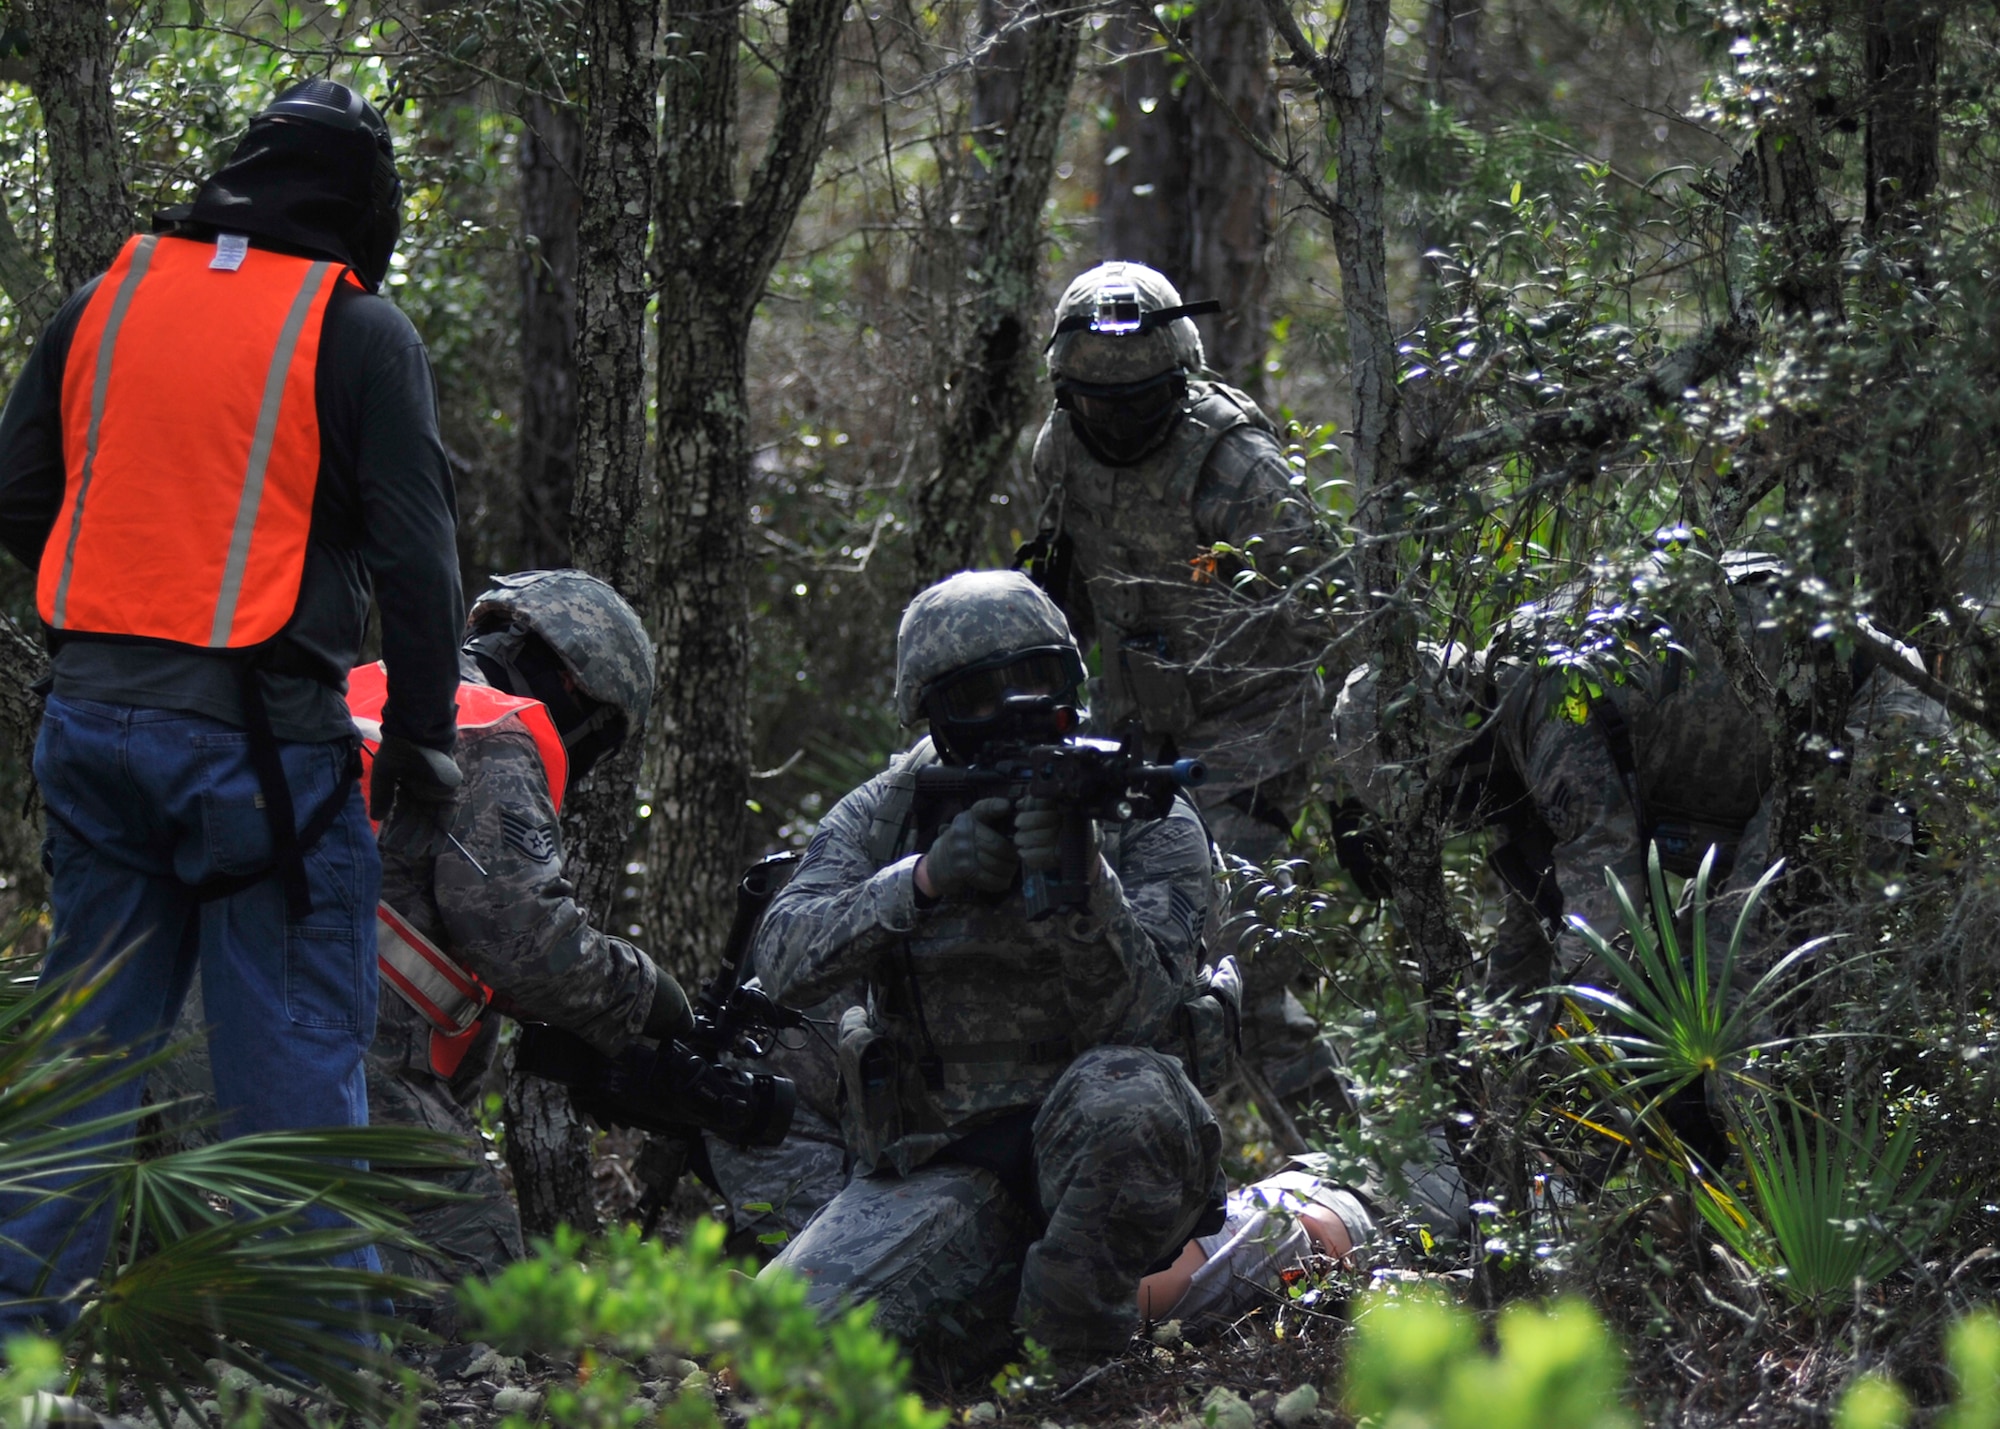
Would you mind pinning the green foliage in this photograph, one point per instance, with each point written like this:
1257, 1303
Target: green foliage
1972, 1349
1678, 1017
1872, 1402
626, 1296
214, 1259
1829, 1198
1416, 1364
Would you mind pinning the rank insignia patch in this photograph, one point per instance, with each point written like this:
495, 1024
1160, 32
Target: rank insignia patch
537, 841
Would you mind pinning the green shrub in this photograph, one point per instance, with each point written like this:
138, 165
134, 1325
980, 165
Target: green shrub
1416, 1364
622, 1297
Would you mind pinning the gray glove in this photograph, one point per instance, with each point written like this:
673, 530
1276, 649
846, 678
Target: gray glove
973, 854
1038, 838
670, 1015
423, 780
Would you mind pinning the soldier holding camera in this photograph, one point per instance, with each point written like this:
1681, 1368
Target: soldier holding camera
477, 917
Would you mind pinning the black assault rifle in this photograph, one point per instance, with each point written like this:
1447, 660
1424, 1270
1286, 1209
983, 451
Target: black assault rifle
683, 1085
1088, 779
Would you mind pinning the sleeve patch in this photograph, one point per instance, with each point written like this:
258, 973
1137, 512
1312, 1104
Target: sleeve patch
1187, 911
537, 842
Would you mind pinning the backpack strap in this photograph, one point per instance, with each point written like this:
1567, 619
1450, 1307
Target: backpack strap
892, 821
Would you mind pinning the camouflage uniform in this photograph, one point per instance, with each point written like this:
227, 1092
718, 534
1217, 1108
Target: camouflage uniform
1556, 789
1232, 678
518, 927
1023, 1048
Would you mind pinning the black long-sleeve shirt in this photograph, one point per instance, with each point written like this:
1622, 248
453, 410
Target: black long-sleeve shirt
383, 520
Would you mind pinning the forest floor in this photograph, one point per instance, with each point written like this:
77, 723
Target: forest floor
1273, 1367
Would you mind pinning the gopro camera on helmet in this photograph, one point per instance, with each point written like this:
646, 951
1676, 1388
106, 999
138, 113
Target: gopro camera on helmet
1119, 311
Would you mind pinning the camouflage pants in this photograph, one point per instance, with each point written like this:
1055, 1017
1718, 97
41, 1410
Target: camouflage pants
773, 1191
1126, 1154
461, 1239
1280, 1038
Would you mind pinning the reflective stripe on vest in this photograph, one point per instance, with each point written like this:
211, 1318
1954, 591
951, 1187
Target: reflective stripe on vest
191, 447
479, 707
444, 992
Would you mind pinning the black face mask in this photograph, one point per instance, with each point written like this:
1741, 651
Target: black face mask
1016, 697
521, 663
1125, 422
315, 173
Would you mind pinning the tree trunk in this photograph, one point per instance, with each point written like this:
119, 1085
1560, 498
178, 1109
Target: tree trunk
1232, 205
1350, 82
1910, 547
610, 501
1181, 198
74, 49
548, 1147
1020, 97
23, 280
548, 1151
715, 253
1904, 38
550, 160
1809, 698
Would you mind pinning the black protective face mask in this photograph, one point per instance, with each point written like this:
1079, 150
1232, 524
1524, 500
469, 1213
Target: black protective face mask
1124, 423
521, 663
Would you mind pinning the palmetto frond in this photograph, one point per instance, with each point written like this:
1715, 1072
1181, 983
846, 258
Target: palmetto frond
222, 1250
1674, 1015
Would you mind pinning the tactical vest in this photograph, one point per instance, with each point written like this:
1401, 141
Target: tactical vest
1132, 530
968, 1019
444, 992
191, 446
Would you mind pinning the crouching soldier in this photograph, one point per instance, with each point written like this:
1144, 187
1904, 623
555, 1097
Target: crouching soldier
477, 917
1025, 1155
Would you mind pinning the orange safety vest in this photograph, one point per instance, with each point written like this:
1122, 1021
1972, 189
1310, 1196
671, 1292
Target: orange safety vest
445, 992
191, 445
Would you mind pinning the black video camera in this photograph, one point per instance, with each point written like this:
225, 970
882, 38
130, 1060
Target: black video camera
684, 1085
1088, 779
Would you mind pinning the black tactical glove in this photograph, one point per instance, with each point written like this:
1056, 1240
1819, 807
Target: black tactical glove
973, 854
422, 781
1038, 839
670, 1015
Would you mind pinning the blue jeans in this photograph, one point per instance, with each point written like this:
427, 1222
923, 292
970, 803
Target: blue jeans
145, 804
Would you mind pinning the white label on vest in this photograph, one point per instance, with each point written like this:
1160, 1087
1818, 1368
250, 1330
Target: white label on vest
230, 250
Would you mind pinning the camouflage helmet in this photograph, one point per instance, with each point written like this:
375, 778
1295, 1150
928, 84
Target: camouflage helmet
1101, 336
967, 618
595, 634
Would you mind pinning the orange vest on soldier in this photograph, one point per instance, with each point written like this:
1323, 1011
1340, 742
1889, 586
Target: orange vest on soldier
479, 707
192, 445
443, 991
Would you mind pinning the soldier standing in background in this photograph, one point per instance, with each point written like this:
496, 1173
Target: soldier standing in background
1025, 1156
1147, 467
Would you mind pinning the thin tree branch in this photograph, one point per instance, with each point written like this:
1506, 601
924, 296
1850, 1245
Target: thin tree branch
1604, 418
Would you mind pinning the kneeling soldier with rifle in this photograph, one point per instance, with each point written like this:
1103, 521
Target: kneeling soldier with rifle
1028, 914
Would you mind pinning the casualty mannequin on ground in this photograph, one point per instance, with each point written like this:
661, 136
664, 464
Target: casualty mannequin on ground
1147, 464
1024, 1154
196, 759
